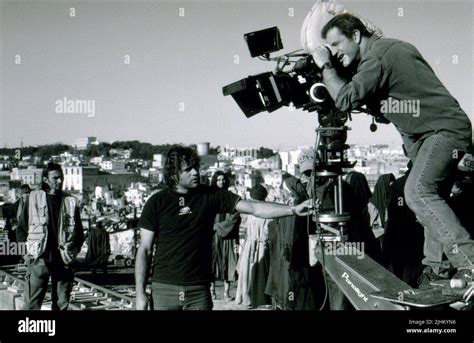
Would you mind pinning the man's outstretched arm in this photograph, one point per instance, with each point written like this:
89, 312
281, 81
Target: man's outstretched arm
142, 263
268, 210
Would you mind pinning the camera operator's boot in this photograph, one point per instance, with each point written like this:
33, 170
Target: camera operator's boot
462, 278
428, 277
460, 283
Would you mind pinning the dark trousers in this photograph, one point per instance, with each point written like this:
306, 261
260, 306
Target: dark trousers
37, 278
175, 298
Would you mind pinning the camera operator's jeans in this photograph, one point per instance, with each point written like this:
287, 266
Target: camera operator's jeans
428, 185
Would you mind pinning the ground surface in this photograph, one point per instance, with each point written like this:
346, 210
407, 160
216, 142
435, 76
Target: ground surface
122, 280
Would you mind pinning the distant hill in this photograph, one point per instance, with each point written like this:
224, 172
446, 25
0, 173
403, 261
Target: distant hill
139, 149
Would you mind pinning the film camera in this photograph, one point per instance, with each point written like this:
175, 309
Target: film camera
299, 86
297, 82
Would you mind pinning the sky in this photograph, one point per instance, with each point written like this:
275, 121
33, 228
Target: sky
180, 56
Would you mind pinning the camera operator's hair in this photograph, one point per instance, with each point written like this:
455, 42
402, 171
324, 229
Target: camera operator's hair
176, 157
347, 23
216, 175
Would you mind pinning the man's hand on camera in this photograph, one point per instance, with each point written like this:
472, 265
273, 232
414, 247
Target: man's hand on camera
305, 208
321, 56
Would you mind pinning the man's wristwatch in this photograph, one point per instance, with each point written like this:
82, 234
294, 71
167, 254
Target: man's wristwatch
327, 65
293, 210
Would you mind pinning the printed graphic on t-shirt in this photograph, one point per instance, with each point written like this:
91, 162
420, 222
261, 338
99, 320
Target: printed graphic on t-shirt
185, 210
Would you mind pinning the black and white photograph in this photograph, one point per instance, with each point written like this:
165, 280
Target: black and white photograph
242, 158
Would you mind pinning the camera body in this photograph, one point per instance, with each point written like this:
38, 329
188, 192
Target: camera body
300, 86
297, 82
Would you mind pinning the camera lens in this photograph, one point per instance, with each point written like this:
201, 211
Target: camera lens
318, 92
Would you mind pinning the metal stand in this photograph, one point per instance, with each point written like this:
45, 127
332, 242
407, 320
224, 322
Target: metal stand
330, 159
367, 284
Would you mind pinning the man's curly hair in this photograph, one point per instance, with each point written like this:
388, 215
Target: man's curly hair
176, 158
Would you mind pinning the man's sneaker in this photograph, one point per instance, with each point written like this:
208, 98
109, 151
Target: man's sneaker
459, 283
427, 277
462, 279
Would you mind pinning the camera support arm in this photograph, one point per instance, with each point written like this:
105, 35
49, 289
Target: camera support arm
358, 278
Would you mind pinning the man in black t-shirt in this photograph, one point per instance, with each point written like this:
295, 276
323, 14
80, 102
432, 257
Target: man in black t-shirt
179, 220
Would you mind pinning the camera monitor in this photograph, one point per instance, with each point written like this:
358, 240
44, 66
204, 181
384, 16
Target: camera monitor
264, 41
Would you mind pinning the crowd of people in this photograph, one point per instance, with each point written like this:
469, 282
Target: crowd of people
274, 264
250, 240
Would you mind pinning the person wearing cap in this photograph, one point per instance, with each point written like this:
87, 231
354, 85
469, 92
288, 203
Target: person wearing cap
305, 163
358, 228
359, 225
179, 222
254, 261
290, 269
397, 85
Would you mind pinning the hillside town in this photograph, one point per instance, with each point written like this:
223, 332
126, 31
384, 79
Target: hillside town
113, 187
119, 182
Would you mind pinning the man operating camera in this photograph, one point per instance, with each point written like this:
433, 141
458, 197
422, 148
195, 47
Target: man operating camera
395, 82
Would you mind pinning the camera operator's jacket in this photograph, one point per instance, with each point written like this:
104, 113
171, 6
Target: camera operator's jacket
392, 75
70, 234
